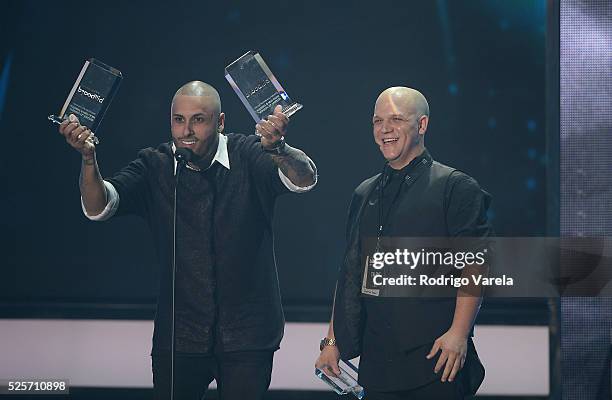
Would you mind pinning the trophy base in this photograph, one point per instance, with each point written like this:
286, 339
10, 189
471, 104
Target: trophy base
292, 109
344, 384
57, 120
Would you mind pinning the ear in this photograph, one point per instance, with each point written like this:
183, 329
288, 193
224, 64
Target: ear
423, 122
221, 122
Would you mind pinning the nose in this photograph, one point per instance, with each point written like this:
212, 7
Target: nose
385, 127
188, 129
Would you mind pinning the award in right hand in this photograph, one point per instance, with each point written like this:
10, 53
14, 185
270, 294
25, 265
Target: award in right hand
258, 88
91, 95
346, 382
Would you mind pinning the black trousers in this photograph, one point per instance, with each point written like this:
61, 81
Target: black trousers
435, 390
239, 375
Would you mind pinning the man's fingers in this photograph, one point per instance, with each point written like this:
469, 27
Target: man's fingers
329, 371
335, 369
278, 122
456, 367
450, 362
263, 128
69, 128
83, 137
441, 361
74, 135
63, 126
434, 349
269, 128
278, 111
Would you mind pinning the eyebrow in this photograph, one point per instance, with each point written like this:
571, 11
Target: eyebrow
194, 115
392, 115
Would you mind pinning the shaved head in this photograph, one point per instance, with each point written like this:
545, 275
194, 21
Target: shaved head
400, 121
201, 89
196, 120
407, 100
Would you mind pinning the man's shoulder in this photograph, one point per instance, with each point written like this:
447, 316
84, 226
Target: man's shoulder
459, 184
155, 156
366, 185
163, 150
455, 176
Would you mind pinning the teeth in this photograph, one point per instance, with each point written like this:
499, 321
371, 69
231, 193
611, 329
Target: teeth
188, 141
389, 140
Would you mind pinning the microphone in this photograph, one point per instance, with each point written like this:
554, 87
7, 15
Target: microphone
183, 155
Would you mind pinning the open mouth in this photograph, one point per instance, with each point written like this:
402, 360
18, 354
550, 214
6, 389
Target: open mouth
188, 142
389, 140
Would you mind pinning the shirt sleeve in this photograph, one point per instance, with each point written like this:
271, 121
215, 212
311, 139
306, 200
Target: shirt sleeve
111, 206
467, 206
295, 188
131, 184
263, 169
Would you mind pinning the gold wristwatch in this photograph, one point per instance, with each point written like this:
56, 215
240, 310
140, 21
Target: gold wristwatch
326, 342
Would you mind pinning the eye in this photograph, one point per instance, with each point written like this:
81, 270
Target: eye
397, 119
199, 120
376, 121
177, 119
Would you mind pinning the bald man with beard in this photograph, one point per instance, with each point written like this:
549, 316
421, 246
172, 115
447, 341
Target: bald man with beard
410, 348
228, 319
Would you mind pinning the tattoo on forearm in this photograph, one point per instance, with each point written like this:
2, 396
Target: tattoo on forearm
295, 165
88, 161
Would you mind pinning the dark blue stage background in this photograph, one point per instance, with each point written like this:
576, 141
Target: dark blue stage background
481, 64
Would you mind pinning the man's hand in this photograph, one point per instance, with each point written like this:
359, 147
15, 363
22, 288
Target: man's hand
78, 136
454, 349
328, 361
273, 128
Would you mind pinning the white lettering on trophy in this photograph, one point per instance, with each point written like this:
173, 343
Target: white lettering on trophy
260, 86
93, 96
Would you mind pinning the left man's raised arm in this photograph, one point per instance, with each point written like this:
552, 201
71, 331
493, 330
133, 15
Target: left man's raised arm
292, 162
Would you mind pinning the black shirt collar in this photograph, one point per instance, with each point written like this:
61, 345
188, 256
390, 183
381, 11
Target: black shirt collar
423, 158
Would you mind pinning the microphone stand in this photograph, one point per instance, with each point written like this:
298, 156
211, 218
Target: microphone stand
182, 157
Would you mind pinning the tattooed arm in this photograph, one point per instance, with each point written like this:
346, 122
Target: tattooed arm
91, 184
292, 162
295, 165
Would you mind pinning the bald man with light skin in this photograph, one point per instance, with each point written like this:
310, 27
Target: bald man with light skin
400, 120
239, 356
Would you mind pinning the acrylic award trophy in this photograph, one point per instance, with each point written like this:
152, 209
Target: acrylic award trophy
91, 95
346, 382
257, 87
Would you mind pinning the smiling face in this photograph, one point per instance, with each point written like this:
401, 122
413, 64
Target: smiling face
195, 123
399, 124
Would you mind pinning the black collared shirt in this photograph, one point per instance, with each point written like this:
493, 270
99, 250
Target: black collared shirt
227, 294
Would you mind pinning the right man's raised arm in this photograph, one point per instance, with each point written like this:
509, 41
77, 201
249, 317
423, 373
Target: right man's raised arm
93, 191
